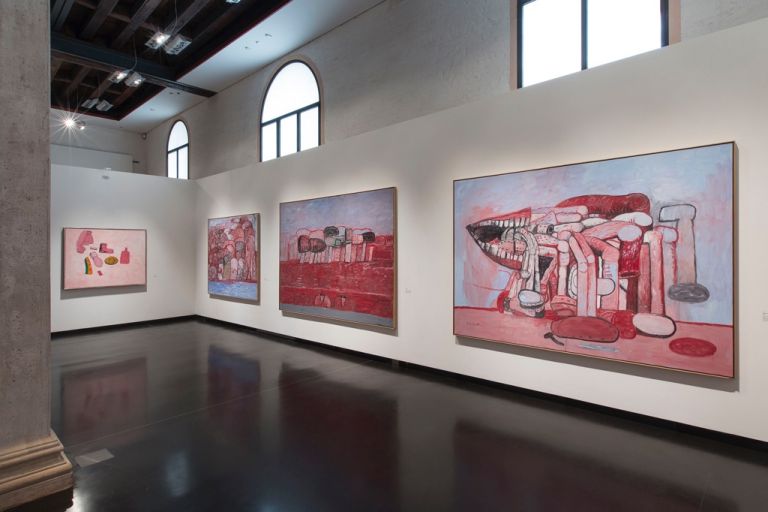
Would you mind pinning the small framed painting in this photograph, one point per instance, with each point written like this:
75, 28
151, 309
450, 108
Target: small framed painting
98, 258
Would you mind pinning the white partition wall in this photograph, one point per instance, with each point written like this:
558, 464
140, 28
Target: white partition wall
702, 91
87, 198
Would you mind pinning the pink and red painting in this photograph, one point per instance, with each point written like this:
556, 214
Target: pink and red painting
629, 259
233, 257
97, 258
337, 257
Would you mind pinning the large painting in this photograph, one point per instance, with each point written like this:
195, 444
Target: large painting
96, 258
337, 257
628, 259
233, 257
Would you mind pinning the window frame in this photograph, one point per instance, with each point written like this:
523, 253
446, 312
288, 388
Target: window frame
276, 121
176, 150
663, 11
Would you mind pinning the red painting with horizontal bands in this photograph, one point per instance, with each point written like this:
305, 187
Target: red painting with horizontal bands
363, 286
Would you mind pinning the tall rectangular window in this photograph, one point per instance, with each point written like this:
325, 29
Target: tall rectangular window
559, 37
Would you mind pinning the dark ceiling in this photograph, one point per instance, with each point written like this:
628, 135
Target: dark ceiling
90, 39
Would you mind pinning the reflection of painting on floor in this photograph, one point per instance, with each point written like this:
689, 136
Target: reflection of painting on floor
233, 256
104, 399
337, 257
628, 259
95, 258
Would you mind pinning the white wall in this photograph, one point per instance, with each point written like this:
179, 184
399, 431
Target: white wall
100, 199
97, 138
90, 158
400, 60
702, 91
699, 17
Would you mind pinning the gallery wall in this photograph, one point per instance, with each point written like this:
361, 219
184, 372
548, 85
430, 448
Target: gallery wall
395, 62
644, 104
699, 17
399, 60
90, 158
75, 146
87, 198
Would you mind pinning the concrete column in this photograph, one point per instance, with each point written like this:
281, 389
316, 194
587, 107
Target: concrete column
32, 462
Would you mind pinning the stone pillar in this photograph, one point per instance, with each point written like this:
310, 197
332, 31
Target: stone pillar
32, 462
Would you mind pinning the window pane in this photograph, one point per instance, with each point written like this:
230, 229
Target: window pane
172, 164
183, 163
310, 133
551, 39
288, 135
269, 142
178, 136
292, 88
621, 29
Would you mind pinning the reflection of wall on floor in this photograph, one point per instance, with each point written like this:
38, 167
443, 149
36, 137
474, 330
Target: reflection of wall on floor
485, 458
105, 399
231, 377
351, 427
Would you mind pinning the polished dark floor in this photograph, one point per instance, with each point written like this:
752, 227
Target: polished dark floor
203, 417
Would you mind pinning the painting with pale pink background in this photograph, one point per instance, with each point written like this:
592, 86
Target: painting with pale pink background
682, 297
98, 258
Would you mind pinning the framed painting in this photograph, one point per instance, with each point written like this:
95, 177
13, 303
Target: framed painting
98, 258
233, 257
337, 257
629, 259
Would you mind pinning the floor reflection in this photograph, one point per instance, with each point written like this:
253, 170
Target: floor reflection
204, 417
338, 444
494, 468
103, 399
232, 376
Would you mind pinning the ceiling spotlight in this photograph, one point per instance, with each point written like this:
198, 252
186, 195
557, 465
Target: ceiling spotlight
157, 40
232, 1
103, 106
134, 80
176, 45
89, 103
117, 76
70, 124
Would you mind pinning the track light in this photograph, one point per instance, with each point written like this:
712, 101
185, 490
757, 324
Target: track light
103, 106
117, 76
157, 40
134, 80
80, 125
233, 1
89, 103
176, 45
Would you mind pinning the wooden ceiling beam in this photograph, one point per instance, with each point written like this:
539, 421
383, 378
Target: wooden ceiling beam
55, 65
101, 89
127, 93
105, 90
136, 20
79, 77
106, 59
219, 24
60, 13
103, 10
192, 10
127, 19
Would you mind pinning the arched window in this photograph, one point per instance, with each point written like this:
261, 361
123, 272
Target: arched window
178, 151
290, 116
